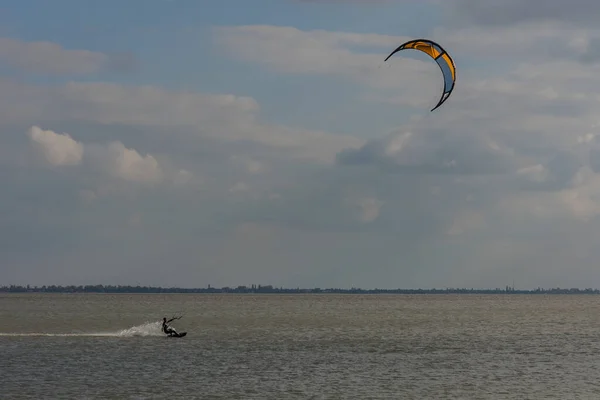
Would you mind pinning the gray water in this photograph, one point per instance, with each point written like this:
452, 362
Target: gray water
101, 346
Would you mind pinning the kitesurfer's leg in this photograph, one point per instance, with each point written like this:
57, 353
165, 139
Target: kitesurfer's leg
171, 331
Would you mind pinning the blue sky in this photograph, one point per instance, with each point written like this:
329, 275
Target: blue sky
192, 143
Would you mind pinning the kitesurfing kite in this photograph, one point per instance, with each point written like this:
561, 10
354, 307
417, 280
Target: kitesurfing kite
440, 55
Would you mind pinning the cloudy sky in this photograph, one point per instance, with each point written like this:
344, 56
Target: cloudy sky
187, 143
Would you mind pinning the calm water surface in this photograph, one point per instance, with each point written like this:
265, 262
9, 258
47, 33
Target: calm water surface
88, 346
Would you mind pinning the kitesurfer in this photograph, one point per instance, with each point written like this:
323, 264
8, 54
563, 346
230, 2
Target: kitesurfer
167, 329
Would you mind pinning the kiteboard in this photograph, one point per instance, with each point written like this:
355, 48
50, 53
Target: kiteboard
182, 334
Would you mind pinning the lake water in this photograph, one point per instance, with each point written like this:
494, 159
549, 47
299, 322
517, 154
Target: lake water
104, 346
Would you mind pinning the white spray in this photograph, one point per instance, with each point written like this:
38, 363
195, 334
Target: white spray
147, 329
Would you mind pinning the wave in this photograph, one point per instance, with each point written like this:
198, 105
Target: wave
147, 329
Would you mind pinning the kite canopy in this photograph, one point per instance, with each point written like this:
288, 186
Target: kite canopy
442, 58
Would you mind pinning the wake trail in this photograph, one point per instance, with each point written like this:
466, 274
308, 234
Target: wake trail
147, 329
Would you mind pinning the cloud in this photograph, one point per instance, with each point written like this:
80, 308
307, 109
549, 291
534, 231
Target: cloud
291, 50
114, 158
432, 153
249, 165
556, 174
368, 208
48, 57
583, 199
182, 177
129, 165
227, 118
509, 12
576, 201
360, 56
58, 149
547, 63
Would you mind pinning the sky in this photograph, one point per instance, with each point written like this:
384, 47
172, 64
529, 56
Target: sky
192, 143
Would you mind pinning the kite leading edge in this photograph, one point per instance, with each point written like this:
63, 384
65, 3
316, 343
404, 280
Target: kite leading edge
442, 58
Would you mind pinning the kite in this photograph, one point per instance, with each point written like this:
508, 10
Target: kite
442, 58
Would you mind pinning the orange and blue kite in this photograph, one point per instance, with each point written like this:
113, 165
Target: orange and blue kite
442, 58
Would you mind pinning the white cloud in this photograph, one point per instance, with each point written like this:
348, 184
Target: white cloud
48, 57
114, 158
586, 138
108, 103
249, 165
427, 152
58, 149
546, 60
369, 208
291, 50
539, 41
511, 12
583, 199
536, 173
182, 177
227, 118
534, 67
129, 165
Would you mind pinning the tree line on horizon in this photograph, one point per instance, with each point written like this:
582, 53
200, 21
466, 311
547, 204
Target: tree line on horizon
281, 290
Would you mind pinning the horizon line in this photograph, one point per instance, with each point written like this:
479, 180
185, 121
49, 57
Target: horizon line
257, 288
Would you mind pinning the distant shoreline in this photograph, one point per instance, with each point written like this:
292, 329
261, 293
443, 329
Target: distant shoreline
268, 289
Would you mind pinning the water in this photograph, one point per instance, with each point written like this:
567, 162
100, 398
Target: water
92, 346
